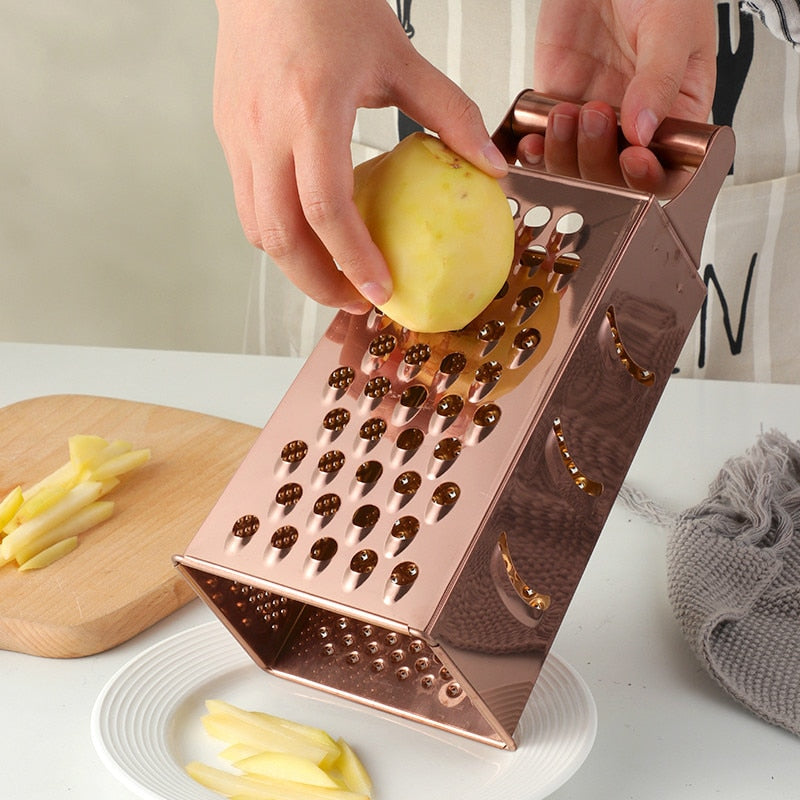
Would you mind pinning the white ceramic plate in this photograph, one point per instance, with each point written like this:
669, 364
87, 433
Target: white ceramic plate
146, 726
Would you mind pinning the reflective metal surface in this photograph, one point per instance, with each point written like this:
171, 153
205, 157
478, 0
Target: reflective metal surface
412, 523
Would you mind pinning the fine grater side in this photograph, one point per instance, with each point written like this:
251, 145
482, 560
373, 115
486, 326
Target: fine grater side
412, 523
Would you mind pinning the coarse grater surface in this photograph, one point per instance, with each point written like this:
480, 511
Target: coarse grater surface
410, 526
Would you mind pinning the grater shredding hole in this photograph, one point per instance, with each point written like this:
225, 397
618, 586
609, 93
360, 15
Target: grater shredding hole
417, 354
533, 258
581, 480
396, 656
375, 319
484, 419
380, 348
369, 472
402, 578
502, 292
364, 562
528, 300
336, 420
377, 388
289, 495
453, 364
445, 453
391, 639
327, 505
569, 223
331, 462
525, 343
404, 673
364, 519
448, 449
444, 497
284, 538
567, 264
323, 550
340, 379
486, 377
372, 430
402, 534
537, 217
490, 333
245, 526
294, 452
411, 400
414, 396
447, 409
408, 442
513, 205
378, 665
413, 360
366, 516
407, 483
451, 695
492, 330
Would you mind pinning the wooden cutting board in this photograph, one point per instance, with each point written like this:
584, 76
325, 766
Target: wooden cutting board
120, 579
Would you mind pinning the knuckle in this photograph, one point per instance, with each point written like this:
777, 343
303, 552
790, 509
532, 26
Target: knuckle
321, 209
276, 240
462, 110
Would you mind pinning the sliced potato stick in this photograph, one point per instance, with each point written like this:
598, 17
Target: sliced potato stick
286, 767
238, 751
50, 554
77, 498
79, 522
349, 766
120, 464
270, 721
36, 503
82, 448
10, 505
112, 449
63, 474
231, 730
260, 788
292, 731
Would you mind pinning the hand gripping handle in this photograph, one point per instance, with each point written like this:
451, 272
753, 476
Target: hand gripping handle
704, 152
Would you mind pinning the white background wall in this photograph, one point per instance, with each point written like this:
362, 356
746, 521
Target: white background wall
117, 223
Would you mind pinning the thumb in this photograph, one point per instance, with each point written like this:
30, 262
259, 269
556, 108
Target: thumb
430, 98
674, 77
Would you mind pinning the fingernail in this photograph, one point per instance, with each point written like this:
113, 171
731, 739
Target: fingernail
593, 123
375, 293
636, 167
646, 124
563, 127
532, 159
494, 157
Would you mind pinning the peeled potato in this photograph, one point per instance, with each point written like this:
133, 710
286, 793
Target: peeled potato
444, 227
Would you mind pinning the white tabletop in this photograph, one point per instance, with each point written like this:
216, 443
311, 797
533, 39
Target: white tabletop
665, 729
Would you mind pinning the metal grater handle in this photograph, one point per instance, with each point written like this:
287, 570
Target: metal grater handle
703, 151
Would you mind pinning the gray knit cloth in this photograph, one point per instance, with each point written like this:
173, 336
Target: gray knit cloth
733, 573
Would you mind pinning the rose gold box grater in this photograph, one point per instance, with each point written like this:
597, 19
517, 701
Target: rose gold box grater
410, 526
